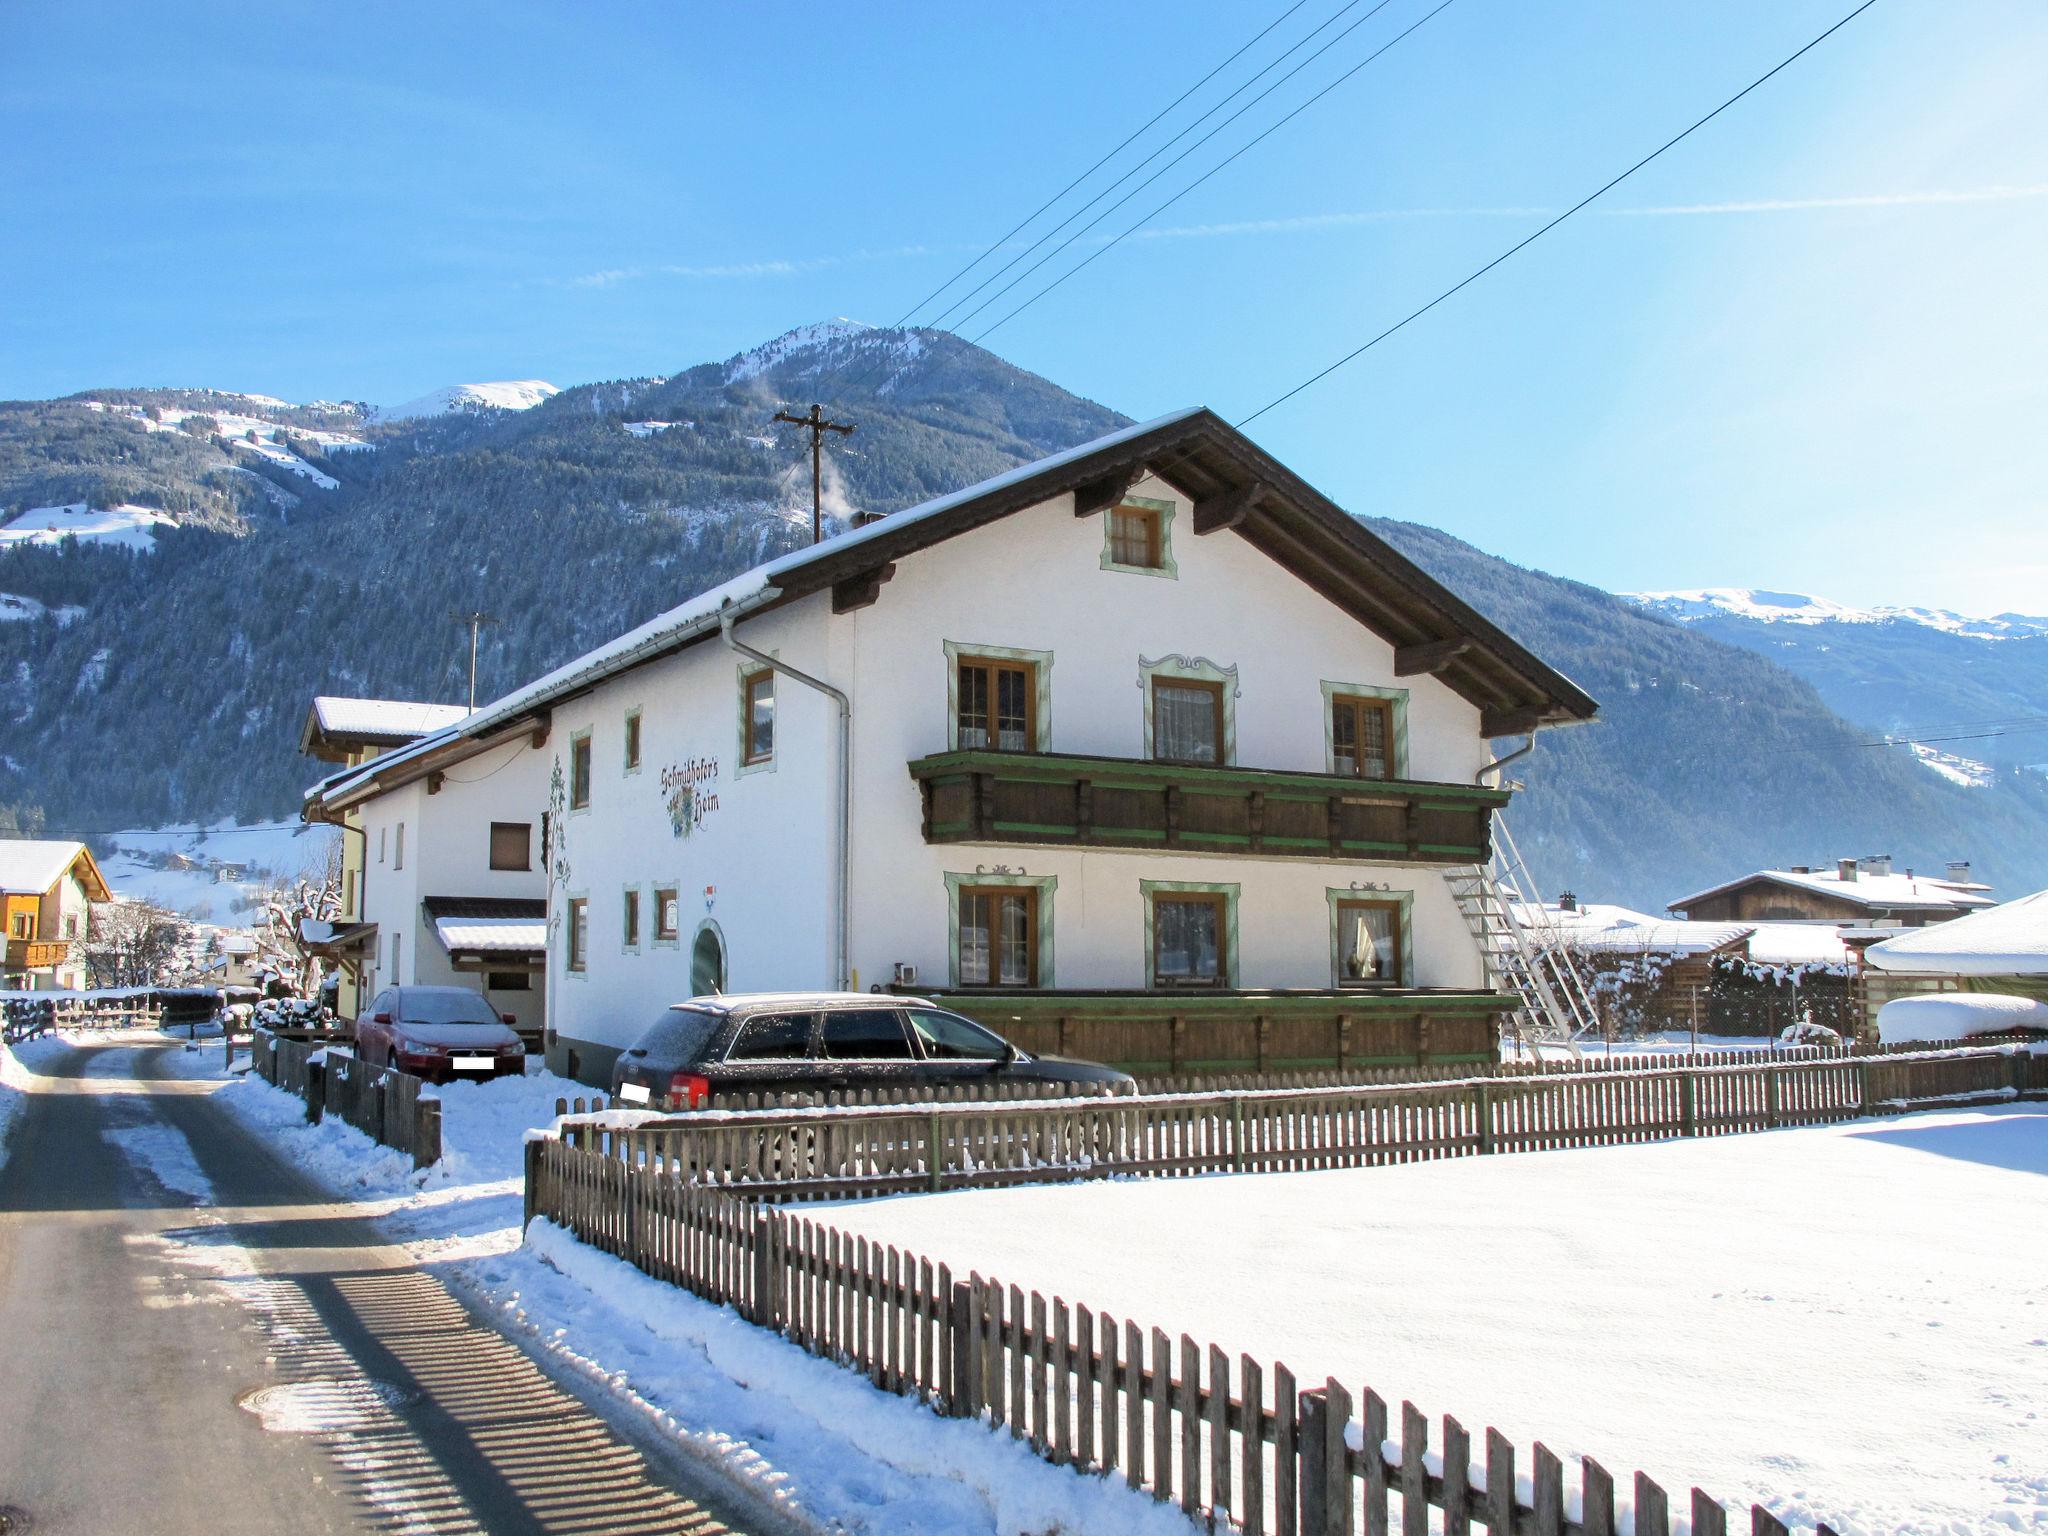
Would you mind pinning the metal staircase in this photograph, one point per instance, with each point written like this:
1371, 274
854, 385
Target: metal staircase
1522, 949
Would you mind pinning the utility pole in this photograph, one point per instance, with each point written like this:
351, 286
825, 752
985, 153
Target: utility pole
819, 426
476, 621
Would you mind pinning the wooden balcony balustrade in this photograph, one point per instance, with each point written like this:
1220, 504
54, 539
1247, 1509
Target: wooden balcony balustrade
37, 954
1107, 802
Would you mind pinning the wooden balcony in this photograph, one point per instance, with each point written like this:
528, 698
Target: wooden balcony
37, 954
1107, 802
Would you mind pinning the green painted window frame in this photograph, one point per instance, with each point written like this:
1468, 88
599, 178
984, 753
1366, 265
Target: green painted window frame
629, 944
1337, 895
571, 953
1041, 665
1194, 669
1044, 885
633, 735
745, 671
1164, 510
654, 934
1396, 697
1229, 891
581, 739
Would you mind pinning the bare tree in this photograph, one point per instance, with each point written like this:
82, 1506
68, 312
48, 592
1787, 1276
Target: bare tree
131, 944
315, 897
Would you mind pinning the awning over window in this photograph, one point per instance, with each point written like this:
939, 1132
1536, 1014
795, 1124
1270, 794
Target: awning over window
337, 941
499, 932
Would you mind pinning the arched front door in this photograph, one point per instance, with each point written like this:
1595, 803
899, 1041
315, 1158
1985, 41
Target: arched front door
707, 962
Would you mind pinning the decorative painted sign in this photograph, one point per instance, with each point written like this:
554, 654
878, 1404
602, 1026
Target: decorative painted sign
689, 789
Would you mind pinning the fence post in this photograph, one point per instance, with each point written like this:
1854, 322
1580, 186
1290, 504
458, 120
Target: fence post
931, 1149
1237, 1132
1484, 1108
762, 1236
963, 1352
527, 1209
315, 1089
1863, 1088
1688, 1104
1772, 1098
426, 1133
2021, 1075
1312, 1437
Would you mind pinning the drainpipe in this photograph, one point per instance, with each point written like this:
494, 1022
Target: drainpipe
1501, 762
842, 934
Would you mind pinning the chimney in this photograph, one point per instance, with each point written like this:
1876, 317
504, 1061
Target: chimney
862, 519
1802, 869
1845, 869
1567, 902
1959, 871
1876, 864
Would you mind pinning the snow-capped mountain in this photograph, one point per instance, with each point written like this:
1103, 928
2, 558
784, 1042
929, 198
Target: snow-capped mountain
1768, 607
499, 395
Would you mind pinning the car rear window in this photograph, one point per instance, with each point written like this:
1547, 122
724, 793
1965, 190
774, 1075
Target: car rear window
452, 1006
865, 1034
773, 1037
680, 1034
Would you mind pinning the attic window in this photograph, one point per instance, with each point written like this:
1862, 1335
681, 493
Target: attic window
1137, 537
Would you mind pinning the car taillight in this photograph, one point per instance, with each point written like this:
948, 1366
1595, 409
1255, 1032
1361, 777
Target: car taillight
686, 1090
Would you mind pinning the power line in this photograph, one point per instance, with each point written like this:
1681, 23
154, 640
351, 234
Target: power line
1784, 63
1184, 191
1098, 165
1349, 5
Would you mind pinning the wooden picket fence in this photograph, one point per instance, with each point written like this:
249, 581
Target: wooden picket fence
857, 1152
383, 1103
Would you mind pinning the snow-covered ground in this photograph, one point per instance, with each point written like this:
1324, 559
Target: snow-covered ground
17, 609
1847, 1323
125, 525
838, 1454
269, 852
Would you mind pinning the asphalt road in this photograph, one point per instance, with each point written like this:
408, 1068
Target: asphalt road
193, 1338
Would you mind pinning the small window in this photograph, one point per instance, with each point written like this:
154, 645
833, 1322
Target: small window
24, 925
507, 981
396, 940
1369, 944
1187, 940
1187, 720
70, 925
997, 705
864, 1034
348, 893
511, 845
383, 837
998, 937
632, 739
757, 709
1362, 736
948, 1037
773, 1037
629, 920
398, 848
1134, 537
579, 933
668, 913
579, 772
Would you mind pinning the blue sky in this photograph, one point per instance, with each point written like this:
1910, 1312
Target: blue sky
1804, 350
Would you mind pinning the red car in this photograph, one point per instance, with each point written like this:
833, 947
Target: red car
443, 1034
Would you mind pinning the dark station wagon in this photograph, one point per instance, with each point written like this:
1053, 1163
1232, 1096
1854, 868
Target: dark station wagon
809, 1042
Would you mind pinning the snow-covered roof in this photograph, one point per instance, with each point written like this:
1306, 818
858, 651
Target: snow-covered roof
2008, 940
1598, 928
1957, 1016
1887, 892
492, 935
394, 718
1797, 944
29, 867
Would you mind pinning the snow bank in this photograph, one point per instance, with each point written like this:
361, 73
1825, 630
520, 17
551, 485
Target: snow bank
1846, 1323
20, 1065
1956, 1016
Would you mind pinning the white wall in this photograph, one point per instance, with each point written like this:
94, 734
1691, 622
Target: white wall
1031, 581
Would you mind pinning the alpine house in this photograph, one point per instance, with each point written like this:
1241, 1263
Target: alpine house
1146, 751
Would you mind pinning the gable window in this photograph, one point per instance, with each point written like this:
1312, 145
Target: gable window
1187, 720
578, 929
668, 914
629, 919
1369, 941
1362, 737
398, 848
1190, 934
511, 845
995, 705
998, 944
757, 716
632, 741
1137, 536
579, 771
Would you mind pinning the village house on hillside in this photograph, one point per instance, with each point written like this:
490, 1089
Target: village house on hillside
1145, 750
1854, 891
47, 890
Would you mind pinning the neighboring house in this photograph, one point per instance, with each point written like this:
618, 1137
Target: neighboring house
1854, 891
47, 891
2000, 952
1145, 732
351, 732
234, 961
449, 887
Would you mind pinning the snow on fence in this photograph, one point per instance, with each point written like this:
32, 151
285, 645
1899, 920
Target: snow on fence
678, 1198
381, 1102
25, 1017
856, 1152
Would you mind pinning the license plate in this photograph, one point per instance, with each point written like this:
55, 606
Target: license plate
475, 1063
634, 1093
